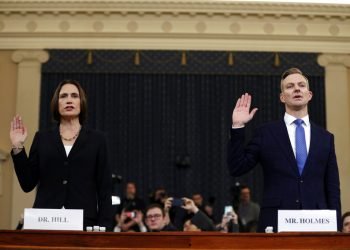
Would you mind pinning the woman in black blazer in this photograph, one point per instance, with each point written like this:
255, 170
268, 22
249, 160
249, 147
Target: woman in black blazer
68, 164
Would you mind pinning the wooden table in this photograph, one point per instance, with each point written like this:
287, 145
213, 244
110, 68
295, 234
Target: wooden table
34, 239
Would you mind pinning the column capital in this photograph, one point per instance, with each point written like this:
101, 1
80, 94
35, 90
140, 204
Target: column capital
40, 56
338, 59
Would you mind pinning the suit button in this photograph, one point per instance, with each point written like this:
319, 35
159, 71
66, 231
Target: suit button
64, 182
301, 181
297, 201
65, 163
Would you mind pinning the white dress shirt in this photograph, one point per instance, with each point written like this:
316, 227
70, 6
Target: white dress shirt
291, 126
68, 148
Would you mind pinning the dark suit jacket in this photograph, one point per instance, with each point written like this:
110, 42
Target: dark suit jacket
284, 188
202, 221
80, 181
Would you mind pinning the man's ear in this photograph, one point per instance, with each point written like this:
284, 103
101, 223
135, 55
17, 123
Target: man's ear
311, 95
282, 97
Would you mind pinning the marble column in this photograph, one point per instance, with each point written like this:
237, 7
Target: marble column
338, 114
27, 105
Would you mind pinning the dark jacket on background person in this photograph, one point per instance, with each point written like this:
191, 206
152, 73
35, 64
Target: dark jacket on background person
202, 221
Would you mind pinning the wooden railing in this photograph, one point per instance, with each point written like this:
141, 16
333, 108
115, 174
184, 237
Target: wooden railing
30, 239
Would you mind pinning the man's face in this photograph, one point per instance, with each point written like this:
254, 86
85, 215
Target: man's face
346, 224
197, 199
295, 92
245, 195
130, 190
154, 219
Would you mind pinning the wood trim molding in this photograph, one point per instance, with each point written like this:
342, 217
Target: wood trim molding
208, 7
174, 24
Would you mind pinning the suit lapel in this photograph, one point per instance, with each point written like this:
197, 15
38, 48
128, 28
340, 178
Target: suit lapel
80, 142
281, 135
58, 142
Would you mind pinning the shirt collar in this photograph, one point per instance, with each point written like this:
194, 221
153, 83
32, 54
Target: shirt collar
289, 119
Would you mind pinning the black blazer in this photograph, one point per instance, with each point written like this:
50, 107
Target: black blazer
80, 181
284, 188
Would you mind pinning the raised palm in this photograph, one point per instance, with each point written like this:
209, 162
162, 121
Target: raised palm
241, 113
18, 132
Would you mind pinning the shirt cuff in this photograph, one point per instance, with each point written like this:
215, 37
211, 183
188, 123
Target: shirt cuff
238, 127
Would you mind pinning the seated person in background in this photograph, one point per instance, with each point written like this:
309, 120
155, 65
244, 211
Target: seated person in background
205, 207
198, 201
248, 211
129, 221
156, 220
158, 196
346, 222
229, 223
193, 218
131, 202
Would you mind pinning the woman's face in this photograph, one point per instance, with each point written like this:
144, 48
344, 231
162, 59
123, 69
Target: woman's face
69, 101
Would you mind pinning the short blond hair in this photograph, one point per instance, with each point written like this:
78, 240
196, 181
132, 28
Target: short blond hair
290, 72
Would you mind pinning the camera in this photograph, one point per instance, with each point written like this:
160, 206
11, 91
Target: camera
177, 202
130, 214
228, 210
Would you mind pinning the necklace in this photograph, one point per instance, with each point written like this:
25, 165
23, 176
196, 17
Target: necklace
72, 138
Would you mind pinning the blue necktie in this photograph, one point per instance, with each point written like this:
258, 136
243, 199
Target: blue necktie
300, 145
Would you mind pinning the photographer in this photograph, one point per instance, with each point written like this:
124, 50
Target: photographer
130, 222
229, 223
189, 215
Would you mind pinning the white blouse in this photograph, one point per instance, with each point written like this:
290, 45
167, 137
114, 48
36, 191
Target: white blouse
68, 148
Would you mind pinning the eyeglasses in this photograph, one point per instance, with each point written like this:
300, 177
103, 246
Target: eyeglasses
153, 216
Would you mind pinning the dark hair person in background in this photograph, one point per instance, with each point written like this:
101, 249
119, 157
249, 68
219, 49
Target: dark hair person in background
298, 157
68, 164
248, 211
346, 222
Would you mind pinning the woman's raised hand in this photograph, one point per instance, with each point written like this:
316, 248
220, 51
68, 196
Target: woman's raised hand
18, 132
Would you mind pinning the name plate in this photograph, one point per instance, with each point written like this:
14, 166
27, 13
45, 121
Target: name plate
307, 221
53, 219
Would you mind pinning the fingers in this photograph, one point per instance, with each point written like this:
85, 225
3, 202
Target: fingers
248, 100
244, 101
238, 103
17, 123
14, 123
20, 122
186, 200
252, 113
24, 131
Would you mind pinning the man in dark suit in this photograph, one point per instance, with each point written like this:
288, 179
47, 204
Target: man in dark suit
298, 157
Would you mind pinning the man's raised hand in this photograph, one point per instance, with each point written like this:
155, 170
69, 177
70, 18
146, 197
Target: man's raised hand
241, 113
